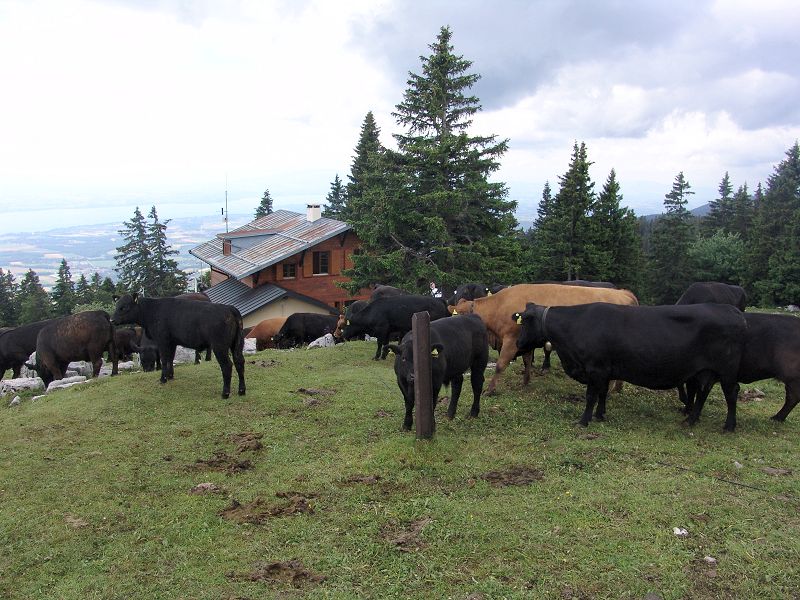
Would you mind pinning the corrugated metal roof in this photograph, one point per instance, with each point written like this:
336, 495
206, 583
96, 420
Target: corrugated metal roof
248, 300
291, 233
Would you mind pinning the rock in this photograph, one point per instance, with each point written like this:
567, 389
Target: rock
9, 386
82, 367
680, 531
793, 308
710, 560
326, 341
15, 402
66, 382
35, 398
183, 356
737, 464
250, 345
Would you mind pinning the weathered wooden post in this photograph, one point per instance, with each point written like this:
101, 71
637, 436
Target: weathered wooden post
423, 387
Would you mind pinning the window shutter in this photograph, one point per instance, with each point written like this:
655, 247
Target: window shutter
308, 264
336, 262
279, 272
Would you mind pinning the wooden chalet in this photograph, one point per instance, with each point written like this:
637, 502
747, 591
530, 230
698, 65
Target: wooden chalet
281, 264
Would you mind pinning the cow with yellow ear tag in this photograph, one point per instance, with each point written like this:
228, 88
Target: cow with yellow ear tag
458, 344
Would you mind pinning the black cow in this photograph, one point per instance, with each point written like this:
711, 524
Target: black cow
385, 291
127, 341
149, 357
170, 322
17, 344
355, 307
201, 297
713, 291
468, 291
387, 316
658, 347
82, 336
457, 344
303, 328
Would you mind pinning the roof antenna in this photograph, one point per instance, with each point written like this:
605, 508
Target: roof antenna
225, 210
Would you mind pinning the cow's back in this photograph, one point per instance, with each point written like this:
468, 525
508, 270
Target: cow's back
497, 310
265, 331
702, 292
82, 336
398, 310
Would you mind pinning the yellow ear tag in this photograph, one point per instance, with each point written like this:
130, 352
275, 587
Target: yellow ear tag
348, 322
488, 292
455, 312
519, 319
434, 353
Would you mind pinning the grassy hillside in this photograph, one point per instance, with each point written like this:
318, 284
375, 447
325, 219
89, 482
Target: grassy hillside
95, 487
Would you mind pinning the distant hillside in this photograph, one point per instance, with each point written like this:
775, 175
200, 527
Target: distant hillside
91, 248
526, 223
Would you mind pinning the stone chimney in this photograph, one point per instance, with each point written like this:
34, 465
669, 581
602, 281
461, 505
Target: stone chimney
313, 212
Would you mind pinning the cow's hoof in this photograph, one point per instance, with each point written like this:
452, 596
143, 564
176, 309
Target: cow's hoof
599, 417
241, 392
225, 396
163, 380
778, 417
582, 423
405, 427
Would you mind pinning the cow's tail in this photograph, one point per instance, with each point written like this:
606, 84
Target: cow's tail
237, 345
112, 348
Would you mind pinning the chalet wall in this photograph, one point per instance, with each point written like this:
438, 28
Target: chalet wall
320, 287
217, 276
281, 308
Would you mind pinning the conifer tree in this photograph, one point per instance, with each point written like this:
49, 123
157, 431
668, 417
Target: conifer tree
34, 302
670, 271
8, 300
367, 151
133, 257
63, 293
571, 207
438, 214
742, 213
614, 237
720, 213
165, 279
543, 240
83, 291
265, 207
336, 201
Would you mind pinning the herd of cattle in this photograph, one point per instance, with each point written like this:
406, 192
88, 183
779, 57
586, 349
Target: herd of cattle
601, 334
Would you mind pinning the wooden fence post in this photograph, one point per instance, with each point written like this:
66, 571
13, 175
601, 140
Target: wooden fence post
423, 387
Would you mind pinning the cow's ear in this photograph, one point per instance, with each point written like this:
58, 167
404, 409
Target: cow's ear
135, 297
115, 297
436, 349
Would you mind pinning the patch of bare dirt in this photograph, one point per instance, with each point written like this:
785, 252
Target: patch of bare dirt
368, 479
291, 572
752, 395
75, 522
258, 511
247, 441
574, 398
263, 363
513, 476
382, 414
206, 488
407, 538
221, 461
776, 472
589, 436
321, 392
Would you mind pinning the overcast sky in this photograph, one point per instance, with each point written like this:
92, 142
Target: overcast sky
105, 105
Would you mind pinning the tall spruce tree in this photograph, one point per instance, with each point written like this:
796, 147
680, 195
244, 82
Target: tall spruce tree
615, 238
34, 302
8, 300
367, 151
571, 207
670, 270
336, 199
63, 293
544, 239
720, 211
165, 278
133, 257
444, 220
265, 206
83, 291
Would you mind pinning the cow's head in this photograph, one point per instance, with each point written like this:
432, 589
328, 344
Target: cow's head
404, 359
128, 310
531, 334
41, 371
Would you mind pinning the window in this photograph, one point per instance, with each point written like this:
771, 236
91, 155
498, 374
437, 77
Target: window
321, 260
289, 270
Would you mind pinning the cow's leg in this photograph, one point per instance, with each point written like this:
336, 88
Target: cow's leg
17, 370
113, 356
167, 353
546, 360
378, 351
701, 384
731, 390
227, 369
527, 359
238, 362
507, 353
476, 378
792, 397
97, 363
591, 399
602, 394
197, 357
455, 392
408, 398
208, 354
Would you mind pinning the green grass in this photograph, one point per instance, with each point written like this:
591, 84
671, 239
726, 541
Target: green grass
95, 480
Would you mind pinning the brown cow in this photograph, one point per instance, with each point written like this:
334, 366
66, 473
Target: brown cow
264, 331
498, 311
